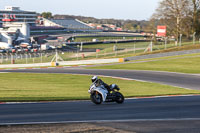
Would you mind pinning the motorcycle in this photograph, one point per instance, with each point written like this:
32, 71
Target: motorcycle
99, 94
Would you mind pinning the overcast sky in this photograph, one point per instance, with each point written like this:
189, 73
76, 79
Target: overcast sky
118, 9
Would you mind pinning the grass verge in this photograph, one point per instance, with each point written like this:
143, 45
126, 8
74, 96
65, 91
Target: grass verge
18, 87
184, 63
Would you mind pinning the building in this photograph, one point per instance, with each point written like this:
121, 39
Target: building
19, 15
70, 24
14, 32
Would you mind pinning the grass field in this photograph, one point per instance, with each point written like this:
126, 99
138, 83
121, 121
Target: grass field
134, 49
123, 50
184, 63
56, 87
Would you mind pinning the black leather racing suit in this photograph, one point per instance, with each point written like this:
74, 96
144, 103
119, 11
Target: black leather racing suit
100, 82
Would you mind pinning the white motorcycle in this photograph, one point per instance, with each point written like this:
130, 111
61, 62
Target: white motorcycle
99, 94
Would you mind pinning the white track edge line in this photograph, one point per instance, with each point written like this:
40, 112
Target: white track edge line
104, 121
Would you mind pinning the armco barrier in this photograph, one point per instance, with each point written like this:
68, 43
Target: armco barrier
121, 60
65, 63
54, 64
86, 62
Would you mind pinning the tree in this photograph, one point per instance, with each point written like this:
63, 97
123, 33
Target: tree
47, 15
128, 26
195, 5
172, 14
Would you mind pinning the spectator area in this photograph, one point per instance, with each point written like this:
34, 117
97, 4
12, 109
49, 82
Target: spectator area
67, 23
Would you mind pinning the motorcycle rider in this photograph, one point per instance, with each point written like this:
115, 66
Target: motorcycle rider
99, 82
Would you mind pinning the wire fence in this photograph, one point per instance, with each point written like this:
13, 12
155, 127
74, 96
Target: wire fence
25, 58
130, 49
112, 50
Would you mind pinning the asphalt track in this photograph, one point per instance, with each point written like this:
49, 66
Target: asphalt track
169, 108
183, 109
174, 79
155, 114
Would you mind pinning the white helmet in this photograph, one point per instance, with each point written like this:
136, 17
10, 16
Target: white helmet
94, 79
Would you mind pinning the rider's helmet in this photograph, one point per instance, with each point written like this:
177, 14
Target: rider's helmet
94, 79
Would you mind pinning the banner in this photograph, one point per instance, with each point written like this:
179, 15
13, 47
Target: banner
161, 31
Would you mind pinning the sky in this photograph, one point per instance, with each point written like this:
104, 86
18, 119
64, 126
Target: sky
117, 9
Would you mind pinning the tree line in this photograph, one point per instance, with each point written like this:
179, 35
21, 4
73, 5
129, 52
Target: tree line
182, 17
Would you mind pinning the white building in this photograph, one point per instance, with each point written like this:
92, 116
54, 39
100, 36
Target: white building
14, 32
20, 15
67, 23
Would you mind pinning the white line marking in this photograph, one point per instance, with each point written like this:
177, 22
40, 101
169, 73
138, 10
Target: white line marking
134, 98
104, 121
4, 72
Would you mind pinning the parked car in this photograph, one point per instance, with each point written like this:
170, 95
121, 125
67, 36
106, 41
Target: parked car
2, 51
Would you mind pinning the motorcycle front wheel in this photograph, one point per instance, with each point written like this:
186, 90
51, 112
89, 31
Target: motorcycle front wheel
119, 97
96, 98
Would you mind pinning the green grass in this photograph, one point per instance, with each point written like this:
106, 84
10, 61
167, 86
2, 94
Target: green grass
108, 52
127, 49
171, 48
59, 87
184, 63
124, 50
169, 57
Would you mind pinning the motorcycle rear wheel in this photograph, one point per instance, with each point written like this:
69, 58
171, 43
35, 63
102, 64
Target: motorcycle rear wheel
119, 98
96, 98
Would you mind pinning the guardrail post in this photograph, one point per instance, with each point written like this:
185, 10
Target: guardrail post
26, 58
41, 57
33, 58
77, 51
11, 58
16, 56
165, 42
6, 56
194, 38
21, 56
1, 58
180, 41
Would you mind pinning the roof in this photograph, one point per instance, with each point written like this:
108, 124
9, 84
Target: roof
71, 23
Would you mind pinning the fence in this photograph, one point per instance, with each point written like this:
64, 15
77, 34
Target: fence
25, 58
130, 49
116, 50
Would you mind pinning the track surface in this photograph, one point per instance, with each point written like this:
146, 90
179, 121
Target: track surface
175, 79
147, 115
180, 108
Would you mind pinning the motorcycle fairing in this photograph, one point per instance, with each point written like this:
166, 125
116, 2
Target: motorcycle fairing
102, 91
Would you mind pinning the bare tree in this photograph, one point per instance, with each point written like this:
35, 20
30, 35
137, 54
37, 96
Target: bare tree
172, 13
195, 6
